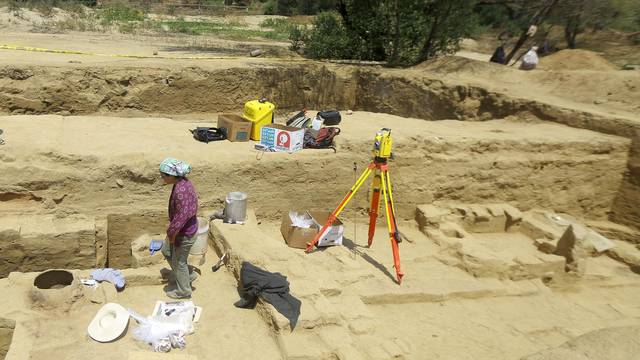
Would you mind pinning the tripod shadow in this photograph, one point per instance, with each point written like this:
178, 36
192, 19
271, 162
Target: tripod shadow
356, 249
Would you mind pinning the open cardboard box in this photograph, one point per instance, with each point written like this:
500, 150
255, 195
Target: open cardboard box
238, 129
297, 237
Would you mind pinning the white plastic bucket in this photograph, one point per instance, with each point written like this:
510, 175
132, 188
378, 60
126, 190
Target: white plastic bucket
202, 238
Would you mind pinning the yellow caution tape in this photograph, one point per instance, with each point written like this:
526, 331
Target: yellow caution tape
75, 52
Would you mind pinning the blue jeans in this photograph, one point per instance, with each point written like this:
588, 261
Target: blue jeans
177, 258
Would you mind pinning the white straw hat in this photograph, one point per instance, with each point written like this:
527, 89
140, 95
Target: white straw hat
109, 323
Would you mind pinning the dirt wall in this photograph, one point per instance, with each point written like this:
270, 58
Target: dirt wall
564, 177
143, 91
38, 242
122, 229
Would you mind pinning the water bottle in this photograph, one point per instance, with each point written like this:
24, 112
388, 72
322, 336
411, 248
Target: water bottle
316, 123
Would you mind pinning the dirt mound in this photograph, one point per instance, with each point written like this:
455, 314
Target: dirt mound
460, 65
568, 59
612, 343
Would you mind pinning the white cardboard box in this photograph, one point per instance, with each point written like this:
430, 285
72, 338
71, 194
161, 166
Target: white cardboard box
282, 138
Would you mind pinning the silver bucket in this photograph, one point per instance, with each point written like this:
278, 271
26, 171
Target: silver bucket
235, 208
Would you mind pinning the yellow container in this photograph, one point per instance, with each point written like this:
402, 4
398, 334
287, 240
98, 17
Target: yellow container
260, 113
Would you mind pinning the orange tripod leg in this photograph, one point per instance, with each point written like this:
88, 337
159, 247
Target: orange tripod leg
375, 205
391, 222
338, 210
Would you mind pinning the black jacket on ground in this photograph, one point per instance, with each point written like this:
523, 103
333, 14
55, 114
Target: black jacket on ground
271, 287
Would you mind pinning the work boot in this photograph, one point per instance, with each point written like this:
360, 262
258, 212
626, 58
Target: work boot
175, 295
167, 275
193, 276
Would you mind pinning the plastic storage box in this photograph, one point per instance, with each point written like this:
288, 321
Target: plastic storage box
260, 113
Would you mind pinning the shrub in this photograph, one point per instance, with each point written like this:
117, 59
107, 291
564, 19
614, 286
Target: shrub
297, 37
328, 39
120, 13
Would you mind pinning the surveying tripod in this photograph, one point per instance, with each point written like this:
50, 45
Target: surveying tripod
381, 183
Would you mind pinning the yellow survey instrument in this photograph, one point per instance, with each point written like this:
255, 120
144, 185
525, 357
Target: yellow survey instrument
381, 186
382, 144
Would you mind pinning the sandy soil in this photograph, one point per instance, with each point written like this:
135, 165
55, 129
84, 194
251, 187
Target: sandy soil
89, 185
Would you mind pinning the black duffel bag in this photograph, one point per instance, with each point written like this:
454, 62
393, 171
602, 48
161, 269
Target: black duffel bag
208, 134
330, 117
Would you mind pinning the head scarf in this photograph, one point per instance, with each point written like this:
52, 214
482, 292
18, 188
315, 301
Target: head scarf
174, 167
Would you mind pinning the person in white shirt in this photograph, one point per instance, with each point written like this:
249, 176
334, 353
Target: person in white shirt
530, 59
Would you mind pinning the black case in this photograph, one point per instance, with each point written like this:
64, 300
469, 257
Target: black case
330, 117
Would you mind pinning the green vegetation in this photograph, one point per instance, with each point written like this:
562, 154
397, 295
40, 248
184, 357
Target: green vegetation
296, 7
119, 13
219, 28
130, 20
400, 32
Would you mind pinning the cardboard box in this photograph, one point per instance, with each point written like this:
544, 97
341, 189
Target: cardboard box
297, 237
238, 129
282, 138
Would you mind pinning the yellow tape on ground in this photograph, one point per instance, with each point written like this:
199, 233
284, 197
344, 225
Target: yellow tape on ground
75, 52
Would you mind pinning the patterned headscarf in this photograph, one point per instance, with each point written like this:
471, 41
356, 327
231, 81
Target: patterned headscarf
174, 167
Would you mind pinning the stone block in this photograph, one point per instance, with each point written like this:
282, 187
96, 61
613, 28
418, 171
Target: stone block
316, 314
544, 245
615, 231
575, 244
481, 220
514, 216
453, 230
430, 215
303, 346
537, 227
626, 253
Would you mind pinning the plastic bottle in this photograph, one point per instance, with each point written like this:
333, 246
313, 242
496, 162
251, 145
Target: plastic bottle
316, 123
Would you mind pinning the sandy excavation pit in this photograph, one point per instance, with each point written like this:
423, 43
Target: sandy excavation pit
95, 212
488, 274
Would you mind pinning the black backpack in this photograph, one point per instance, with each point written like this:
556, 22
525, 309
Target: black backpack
207, 134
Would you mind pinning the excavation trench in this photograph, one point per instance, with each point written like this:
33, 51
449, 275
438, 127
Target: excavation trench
120, 196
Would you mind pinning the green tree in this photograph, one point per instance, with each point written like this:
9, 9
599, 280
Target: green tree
405, 32
328, 40
578, 15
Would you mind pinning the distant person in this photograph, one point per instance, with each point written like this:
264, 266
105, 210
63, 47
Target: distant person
498, 55
530, 59
546, 48
183, 225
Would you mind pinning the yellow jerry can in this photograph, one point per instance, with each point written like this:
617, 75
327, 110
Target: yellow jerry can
260, 113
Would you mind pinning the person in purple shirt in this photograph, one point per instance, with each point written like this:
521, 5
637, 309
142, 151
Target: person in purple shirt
183, 225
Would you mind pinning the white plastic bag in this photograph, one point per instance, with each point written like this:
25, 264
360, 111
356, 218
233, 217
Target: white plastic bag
158, 330
302, 220
530, 59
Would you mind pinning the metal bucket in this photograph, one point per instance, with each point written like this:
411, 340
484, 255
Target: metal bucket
235, 208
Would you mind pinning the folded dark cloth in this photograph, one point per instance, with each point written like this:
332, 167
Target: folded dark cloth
272, 287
